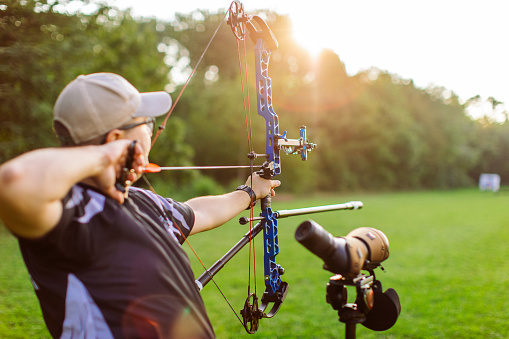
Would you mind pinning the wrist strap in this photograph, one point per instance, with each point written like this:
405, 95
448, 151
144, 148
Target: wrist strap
249, 191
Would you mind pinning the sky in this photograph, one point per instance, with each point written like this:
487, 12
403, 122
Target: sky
460, 45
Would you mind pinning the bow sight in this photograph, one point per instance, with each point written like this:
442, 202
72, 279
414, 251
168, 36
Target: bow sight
362, 249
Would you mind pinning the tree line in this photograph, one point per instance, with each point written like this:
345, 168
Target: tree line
374, 130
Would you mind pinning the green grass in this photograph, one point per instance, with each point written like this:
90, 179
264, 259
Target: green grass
448, 262
20, 315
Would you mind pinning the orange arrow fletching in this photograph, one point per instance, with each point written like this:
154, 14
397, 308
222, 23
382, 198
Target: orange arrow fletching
152, 168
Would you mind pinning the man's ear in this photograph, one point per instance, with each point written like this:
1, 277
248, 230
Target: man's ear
114, 134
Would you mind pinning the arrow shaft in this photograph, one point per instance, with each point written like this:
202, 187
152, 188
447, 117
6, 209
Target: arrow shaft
176, 168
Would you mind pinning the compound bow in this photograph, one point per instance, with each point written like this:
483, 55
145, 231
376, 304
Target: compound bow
265, 42
275, 289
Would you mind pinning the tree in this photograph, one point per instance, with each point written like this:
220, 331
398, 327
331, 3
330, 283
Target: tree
43, 49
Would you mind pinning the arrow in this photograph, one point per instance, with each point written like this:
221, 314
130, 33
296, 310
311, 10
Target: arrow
154, 168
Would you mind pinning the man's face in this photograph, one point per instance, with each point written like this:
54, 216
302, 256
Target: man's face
142, 133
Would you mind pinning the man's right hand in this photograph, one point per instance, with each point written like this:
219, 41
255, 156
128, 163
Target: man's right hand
116, 154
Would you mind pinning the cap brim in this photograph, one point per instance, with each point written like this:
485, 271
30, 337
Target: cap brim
153, 104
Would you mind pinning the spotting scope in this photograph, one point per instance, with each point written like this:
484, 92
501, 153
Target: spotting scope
363, 248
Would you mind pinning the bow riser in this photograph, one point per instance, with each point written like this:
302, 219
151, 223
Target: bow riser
272, 270
264, 104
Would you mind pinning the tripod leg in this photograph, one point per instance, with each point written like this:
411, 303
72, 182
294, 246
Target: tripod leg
350, 330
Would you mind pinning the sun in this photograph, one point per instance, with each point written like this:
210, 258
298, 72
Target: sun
310, 38
314, 33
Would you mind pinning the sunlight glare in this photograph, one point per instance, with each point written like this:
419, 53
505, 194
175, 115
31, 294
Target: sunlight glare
310, 37
311, 46
483, 108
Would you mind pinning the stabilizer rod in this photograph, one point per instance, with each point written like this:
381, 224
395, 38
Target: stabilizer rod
352, 205
207, 276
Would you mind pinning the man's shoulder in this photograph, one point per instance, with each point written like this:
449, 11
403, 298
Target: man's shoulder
137, 193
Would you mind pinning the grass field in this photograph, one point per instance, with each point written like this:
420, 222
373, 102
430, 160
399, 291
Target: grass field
449, 263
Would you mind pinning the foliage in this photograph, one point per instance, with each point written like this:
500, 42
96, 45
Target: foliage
375, 131
43, 49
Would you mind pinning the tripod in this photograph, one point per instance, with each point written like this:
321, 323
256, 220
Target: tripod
372, 309
351, 314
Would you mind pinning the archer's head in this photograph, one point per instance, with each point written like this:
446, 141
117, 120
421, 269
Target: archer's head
101, 107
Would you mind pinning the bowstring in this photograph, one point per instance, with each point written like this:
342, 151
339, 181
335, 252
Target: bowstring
249, 132
160, 129
186, 239
163, 125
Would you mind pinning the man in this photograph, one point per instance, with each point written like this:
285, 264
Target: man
105, 264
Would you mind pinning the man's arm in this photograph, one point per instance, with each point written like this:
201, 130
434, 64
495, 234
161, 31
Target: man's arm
214, 211
33, 184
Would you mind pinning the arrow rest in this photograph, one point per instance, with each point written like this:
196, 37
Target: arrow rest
267, 170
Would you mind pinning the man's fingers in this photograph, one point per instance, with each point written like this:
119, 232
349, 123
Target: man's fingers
130, 162
115, 194
275, 183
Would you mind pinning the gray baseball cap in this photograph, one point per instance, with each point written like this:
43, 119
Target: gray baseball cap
91, 105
